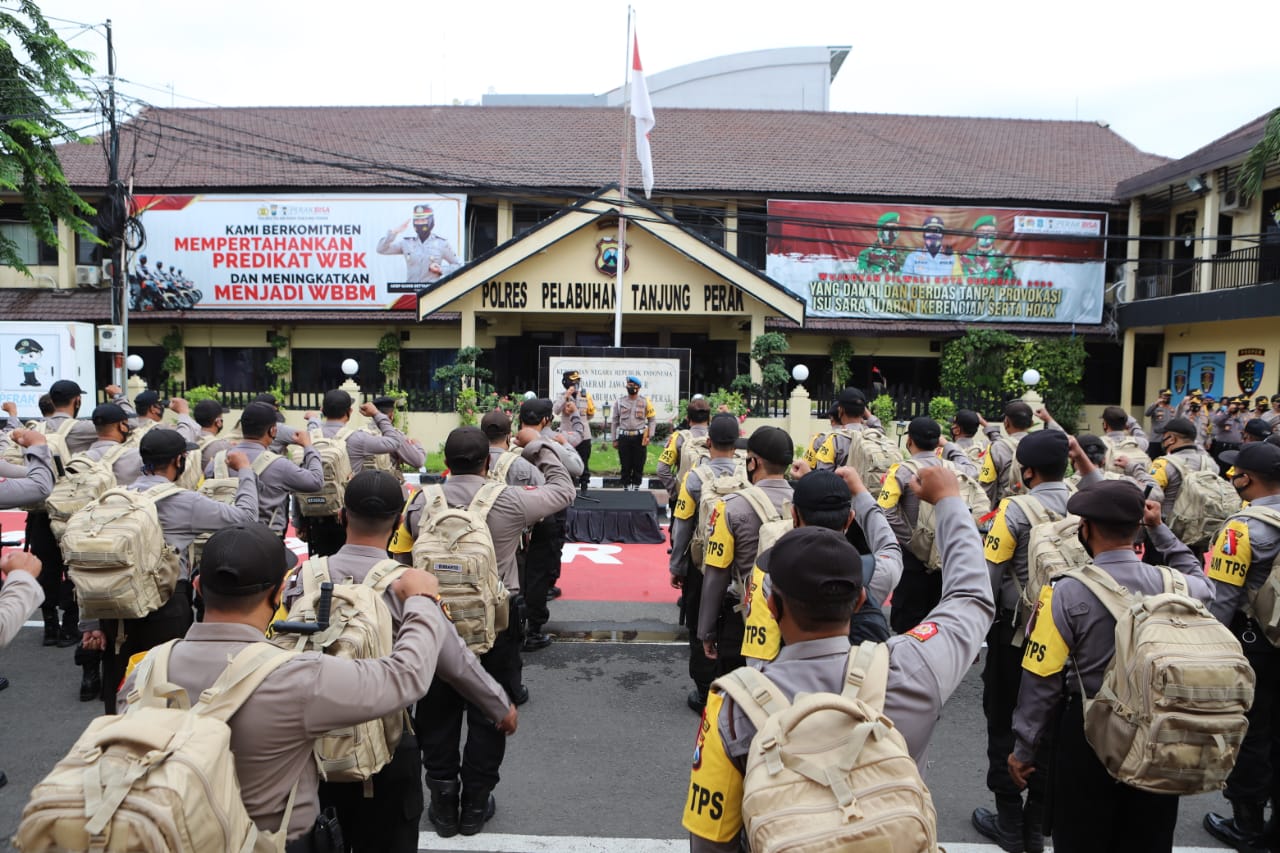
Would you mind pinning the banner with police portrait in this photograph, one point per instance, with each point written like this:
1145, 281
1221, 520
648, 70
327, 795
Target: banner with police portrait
972, 264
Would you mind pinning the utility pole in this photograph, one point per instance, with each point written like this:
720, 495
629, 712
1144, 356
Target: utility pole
120, 214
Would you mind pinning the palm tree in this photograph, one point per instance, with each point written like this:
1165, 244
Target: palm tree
1266, 151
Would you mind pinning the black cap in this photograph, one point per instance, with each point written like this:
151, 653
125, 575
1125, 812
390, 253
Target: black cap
244, 559
806, 559
850, 397
535, 411
384, 404
336, 400
821, 490
1275, 398
1090, 444
268, 398
1258, 457
257, 417
1257, 427
466, 447
723, 429
109, 413
146, 400
1043, 448
924, 429
1182, 427
376, 494
64, 391
496, 424
208, 411
967, 420
161, 444
772, 444
1110, 501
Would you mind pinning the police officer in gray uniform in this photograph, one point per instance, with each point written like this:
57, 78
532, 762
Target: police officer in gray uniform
183, 516
1018, 418
817, 566
1180, 452
241, 577
1243, 557
279, 479
1043, 457
1160, 413
387, 821
427, 256
722, 436
632, 430
208, 415
1090, 810
113, 430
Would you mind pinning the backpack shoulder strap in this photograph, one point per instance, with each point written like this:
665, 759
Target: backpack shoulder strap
264, 460
760, 502
346, 432
1033, 509
314, 571
705, 472
220, 469
151, 687
485, 498
383, 574
155, 494
248, 669
1111, 595
758, 697
109, 458
1174, 581
1265, 514
866, 673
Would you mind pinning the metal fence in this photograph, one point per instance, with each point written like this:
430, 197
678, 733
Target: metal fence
417, 400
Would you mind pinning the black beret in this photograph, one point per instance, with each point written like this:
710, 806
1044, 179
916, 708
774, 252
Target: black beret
1042, 448
1111, 501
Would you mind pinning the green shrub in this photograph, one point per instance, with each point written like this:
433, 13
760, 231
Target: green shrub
884, 408
942, 410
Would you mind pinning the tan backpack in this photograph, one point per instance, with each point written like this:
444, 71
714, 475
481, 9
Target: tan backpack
87, 478
715, 487
1127, 447
359, 628
498, 470
829, 771
455, 545
924, 536
1053, 548
157, 778
327, 502
1012, 483
694, 450
381, 461
1169, 717
1264, 602
871, 454
222, 487
59, 454
116, 556
774, 523
1204, 503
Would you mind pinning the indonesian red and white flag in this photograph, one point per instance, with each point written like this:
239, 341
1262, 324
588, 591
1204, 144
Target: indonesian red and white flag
642, 110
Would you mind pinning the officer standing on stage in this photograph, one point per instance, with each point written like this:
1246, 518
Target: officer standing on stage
584, 409
1090, 809
632, 429
1242, 560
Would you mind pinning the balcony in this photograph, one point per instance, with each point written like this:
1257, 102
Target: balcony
1241, 268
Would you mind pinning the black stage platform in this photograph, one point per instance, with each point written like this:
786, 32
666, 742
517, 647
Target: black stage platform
614, 516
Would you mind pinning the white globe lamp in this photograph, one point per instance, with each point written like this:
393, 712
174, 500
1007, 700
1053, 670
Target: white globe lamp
134, 363
1031, 377
350, 366
800, 373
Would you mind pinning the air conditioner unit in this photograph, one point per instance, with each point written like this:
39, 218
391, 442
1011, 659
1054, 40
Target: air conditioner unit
87, 276
1230, 202
111, 339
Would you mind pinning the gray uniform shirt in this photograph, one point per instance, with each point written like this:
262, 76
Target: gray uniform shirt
274, 732
682, 529
922, 673
361, 444
81, 435
883, 543
1160, 415
1089, 631
744, 526
419, 255
1002, 454
36, 481
569, 457
20, 595
215, 446
1009, 577
520, 472
455, 664
905, 512
1228, 429
629, 414
185, 515
127, 465
1134, 432
671, 475
513, 511
279, 479
1190, 457
1264, 547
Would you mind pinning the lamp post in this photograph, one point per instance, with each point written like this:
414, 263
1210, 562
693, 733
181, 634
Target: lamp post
1031, 378
799, 413
135, 384
350, 367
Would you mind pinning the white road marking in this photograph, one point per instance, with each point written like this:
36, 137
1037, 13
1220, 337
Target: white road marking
500, 843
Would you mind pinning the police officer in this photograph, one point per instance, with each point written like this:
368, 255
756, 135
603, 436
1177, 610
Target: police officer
1273, 417
816, 569
1261, 405
440, 714
1043, 457
388, 819
919, 588
281, 476
21, 592
851, 415
1120, 425
1255, 430
1160, 413
1243, 556
1090, 809
241, 578
995, 476
1228, 427
966, 432
722, 437
672, 465
734, 531
427, 256
632, 429
1095, 450
1181, 454
113, 431
1184, 405
584, 407
208, 416
325, 534
409, 452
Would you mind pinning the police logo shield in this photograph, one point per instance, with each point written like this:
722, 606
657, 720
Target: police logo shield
1249, 375
607, 256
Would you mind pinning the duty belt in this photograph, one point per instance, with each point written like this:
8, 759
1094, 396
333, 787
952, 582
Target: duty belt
631, 432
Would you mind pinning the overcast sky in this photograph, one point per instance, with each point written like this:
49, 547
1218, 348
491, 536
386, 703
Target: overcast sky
1168, 76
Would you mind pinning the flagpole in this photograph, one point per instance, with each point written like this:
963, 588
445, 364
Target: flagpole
622, 187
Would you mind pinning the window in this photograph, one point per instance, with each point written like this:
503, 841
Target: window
482, 229
526, 216
707, 222
318, 370
88, 253
29, 248
751, 236
232, 368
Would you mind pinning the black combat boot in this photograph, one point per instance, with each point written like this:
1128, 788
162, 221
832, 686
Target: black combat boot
90, 683
1242, 830
443, 809
478, 806
51, 630
1004, 825
1033, 825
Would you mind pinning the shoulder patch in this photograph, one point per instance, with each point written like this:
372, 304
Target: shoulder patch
924, 631
1000, 543
891, 489
1045, 652
1232, 554
713, 807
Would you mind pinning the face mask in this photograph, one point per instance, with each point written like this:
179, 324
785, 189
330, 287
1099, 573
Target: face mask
182, 465
632, 389
752, 468
1080, 537
1026, 481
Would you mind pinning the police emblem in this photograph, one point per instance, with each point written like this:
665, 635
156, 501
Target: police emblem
1249, 375
607, 256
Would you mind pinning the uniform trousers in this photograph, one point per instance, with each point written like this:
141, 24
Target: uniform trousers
439, 715
701, 668
387, 822
731, 628
58, 589
1001, 677
169, 622
584, 453
1092, 812
542, 565
325, 536
1254, 778
918, 592
631, 454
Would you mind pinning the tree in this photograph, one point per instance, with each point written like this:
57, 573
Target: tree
35, 86
1254, 168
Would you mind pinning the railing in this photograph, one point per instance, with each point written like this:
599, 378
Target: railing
1241, 268
418, 400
